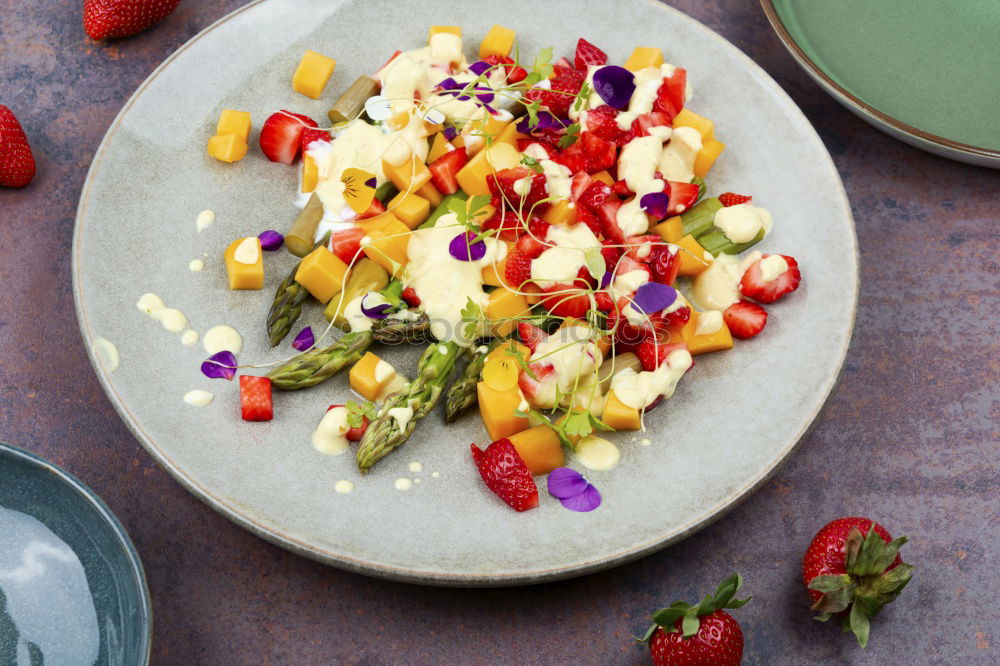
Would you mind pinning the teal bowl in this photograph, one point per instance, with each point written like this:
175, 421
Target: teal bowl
72, 588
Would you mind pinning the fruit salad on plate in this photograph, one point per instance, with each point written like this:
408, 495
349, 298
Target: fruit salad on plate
542, 226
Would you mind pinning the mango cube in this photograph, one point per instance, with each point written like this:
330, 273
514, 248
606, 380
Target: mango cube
472, 177
604, 177
411, 175
310, 174
703, 161
643, 57
710, 342
620, 416
234, 122
498, 411
508, 348
244, 276
439, 146
410, 209
692, 256
436, 29
388, 246
561, 212
429, 192
671, 229
498, 41
312, 74
493, 275
705, 127
322, 273
539, 448
503, 309
227, 148
370, 375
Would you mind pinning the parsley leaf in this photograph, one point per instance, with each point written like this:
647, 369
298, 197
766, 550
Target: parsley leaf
531, 163
533, 110
570, 137
356, 413
582, 97
472, 317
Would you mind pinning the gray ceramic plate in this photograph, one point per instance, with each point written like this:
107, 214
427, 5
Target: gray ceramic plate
736, 417
72, 588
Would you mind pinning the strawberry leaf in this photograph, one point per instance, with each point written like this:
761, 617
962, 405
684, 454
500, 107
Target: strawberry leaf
860, 624
690, 624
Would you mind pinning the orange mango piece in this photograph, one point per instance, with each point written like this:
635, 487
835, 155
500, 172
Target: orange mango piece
410, 209
710, 342
604, 177
312, 74
671, 229
429, 192
643, 57
227, 148
439, 146
411, 175
561, 212
691, 255
367, 378
539, 448
472, 177
310, 174
234, 122
388, 246
620, 416
322, 273
498, 411
705, 127
706, 157
503, 309
498, 41
244, 276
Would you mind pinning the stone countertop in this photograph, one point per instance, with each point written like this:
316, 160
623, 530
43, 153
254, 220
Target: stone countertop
909, 435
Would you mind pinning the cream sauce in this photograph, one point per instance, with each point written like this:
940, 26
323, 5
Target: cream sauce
639, 389
221, 338
107, 354
330, 436
198, 398
598, 454
560, 263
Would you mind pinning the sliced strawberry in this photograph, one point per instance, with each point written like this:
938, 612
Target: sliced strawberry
255, 398
354, 434
522, 146
624, 138
391, 58
745, 319
506, 222
533, 242
505, 473
346, 244
608, 214
529, 385
376, 207
665, 265
530, 334
731, 199
579, 184
309, 135
621, 189
514, 74
604, 301
562, 64
642, 124
566, 300
564, 86
611, 254
603, 122
585, 216
588, 54
281, 135
601, 154
517, 269
445, 168
753, 286
682, 196
410, 296
573, 158
643, 248
653, 353
664, 102
501, 184
678, 317
595, 195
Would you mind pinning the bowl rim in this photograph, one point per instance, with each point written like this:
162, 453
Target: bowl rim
859, 105
91, 498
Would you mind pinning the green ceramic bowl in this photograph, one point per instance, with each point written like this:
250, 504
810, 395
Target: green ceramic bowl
924, 71
72, 588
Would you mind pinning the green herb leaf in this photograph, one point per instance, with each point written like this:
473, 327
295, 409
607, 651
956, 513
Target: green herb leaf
533, 110
690, 624
543, 63
582, 97
531, 163
595, 263
472, 317
570, 137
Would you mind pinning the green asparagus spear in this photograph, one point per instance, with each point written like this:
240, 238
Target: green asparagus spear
287, 304
401, 411
352, 102
462, 393
300, 239
718, 243
701, 218
404, 327
316, 365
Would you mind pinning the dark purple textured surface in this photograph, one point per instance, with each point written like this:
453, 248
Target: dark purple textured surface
909, 435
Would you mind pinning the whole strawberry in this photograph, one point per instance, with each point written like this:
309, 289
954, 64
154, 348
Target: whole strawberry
108, 19
699, 635
505, 473
853, 568
17, 164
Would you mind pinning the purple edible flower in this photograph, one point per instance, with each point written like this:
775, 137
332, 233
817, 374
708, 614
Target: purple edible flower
606, 279
271, 240
652, 297
546, 121
615, 85
572, 490
220, 366
462, 248
479, 67
371, 182
304, 340
380, 311
655, 204
450, 133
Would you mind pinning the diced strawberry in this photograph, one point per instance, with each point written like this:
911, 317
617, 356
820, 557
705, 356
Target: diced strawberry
530, 334
665, 265
565, 84
501, 184
517, 269
565, 300
628, 264
530, 245
608, 215
731, 199
604, 301
376, 207
611, 254
676, 86
504, 472
281, 135
642, 124
653, 353
601, 154
602, 121
682, 196
588, 54
444, 169
745, 319
354, 434
595, 195
506, 222
627, 335
522, 146
573, 158
624, 138
585, 216
579, 184
309, 135
678, 317
514, 74
621, 189
255, 398
561, 64
528, 384
643, 248
346, 244
410, 296
753, 286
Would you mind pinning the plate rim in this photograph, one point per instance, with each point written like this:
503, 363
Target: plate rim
845, 97
230, 509
104, 511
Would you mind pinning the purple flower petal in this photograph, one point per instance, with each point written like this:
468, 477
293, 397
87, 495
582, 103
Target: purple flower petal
380, 311
479, 67
450, 84
450, 133
463, 249
586, 501
546, 121
220, 366
606, 280
271, 240
304, 340
371, 182
655, 204
615, 85
651, 297
564, 483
